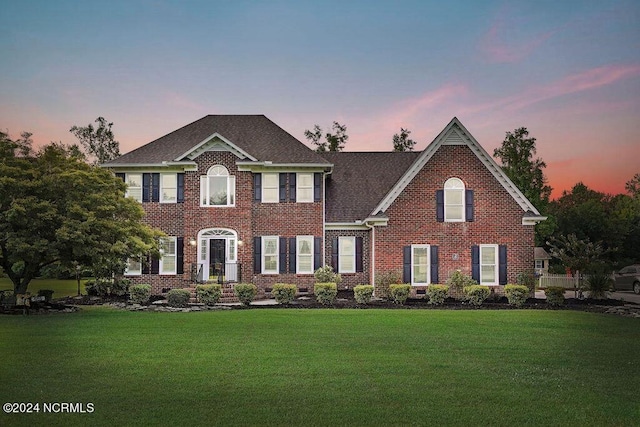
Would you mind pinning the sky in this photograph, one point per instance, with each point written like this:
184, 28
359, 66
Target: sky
568, 71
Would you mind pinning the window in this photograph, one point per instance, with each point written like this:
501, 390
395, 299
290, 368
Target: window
304, 189
304, 255
488, 264
347, 255
270, 255
217, 188
134, 186
168, 187
454, 203
420, 264
168, 260
270, 187
134, 267
539, 264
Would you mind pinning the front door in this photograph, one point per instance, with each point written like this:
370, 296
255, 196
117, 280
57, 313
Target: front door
216, 259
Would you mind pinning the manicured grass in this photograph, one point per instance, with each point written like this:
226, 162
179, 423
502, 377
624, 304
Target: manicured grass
61, 288
324, 367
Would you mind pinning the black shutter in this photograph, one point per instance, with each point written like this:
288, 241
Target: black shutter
317, 187
440, 205
155, 187
334, 254
180, 255
257, 187
180, 181
475, 263
317, 253
292, 187
502, 264
359, 263
257, 255
434, 264
146, 187
406, 264
146, 262
283, 187
283, 256
292, 255
121, 176
155, 266
469, 205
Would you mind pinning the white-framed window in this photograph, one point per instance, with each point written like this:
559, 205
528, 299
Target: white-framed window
420, 267
539, 264
134, 267
454, 202
168, 187
168, 251
217, 187
304, 254
134, 186
270, 187
347, 254
270, 251
488, 264
304, 188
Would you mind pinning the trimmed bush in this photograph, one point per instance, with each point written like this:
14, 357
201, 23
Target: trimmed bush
363, 293
245, 292
516, 294
284, 293
178, 297
104, 287
384, 279
209, 294
527, 279
555, 295
140, 294
326, 274
458, 281
325, 292
437, 294
476, 294
399, 292
46, 293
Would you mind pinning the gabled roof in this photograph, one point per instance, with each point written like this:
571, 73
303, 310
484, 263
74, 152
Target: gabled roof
456, 134
540, 253
252, 137
360, 180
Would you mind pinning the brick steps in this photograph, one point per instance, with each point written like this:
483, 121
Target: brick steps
227, 294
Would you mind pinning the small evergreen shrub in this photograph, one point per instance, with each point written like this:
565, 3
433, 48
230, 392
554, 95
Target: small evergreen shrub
458, 281
245, 292
325, 292
555, 295
105, 287
284, 293
526, 279
326, 274
476, 294
178, 297
437, 294
209, 294
46, 293
384, 279
516, 294
139, 294
363, 293
399, 292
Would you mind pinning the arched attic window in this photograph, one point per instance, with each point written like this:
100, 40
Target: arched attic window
454, 203
217, 187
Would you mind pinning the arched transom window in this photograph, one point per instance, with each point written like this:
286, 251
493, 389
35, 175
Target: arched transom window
454, 201
217, 187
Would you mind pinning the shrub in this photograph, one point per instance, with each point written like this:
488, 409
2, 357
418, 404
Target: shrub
46, 293
516, 294
437, 294
384, 280
178, 297
555, 295
399, 292
526, 279
284, 293
209, 294
476, 294
599, 281
325, 292
245, 292
458, 281
139, 294
325, 274
363, 293
105, 287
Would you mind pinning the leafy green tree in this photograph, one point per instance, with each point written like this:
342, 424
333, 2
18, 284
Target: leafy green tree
55, 208
401, 141
633, 186
574, 253
332, 141
98, 142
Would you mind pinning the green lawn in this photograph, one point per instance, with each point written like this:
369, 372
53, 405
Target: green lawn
61, 288
324, 367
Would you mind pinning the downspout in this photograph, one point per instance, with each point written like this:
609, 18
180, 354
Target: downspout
324, 218
372, 273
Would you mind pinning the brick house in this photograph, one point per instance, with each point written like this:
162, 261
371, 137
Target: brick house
242, 200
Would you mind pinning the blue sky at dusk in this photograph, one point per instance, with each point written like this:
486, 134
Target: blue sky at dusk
567, 70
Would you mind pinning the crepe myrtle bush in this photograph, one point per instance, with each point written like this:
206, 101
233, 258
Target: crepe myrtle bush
284, 293
437, 294
139, 294
245, 292
399, 292
325, 292
555, 295
363, 293
476, 294
516, 294
209, 294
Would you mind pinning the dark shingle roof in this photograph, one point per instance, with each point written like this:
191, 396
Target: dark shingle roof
254, 134
360, 180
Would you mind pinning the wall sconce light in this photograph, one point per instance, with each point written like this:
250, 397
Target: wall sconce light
192, 242
240, 243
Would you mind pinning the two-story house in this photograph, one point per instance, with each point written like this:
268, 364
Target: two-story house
242, 200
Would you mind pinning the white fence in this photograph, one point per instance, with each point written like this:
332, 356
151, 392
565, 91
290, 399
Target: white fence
560, 280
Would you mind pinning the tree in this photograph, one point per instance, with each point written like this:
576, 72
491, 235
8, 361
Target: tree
98, 142
576, 254
54, 208
401, 141
332, 141
633, 186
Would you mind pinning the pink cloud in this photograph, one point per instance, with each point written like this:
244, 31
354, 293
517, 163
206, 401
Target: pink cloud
498, 47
